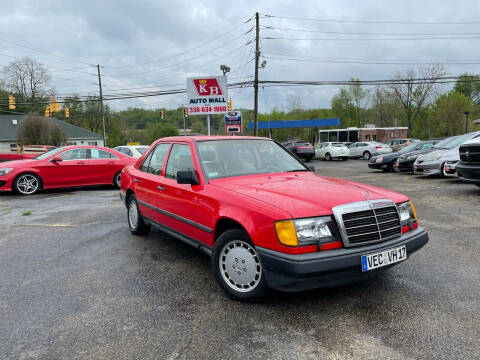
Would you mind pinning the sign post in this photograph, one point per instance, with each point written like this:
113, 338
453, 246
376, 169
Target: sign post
207, 96
233, 122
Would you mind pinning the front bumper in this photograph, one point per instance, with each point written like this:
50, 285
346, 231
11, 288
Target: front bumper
428, 168
329, 268
404, 165
469, 172
381, 165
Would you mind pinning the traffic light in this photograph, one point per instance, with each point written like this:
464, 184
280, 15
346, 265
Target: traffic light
11, 102
185, 112
47, 111
67, 112
230, 107
161, 115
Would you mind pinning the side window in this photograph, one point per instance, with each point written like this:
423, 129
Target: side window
158, 157
146, 162
76, 154
101, 154
128, 152
180, 159
367, 137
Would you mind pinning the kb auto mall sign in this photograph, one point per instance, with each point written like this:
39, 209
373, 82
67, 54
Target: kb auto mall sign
207, 95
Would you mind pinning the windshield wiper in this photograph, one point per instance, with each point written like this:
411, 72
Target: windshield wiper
297, 170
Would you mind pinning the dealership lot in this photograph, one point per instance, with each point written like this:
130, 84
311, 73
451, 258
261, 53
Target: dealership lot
74, 283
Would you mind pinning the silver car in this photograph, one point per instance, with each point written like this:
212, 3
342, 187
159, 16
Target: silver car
367, 149
434, 162
328, 151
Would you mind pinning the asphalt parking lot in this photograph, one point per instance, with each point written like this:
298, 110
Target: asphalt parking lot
75, 284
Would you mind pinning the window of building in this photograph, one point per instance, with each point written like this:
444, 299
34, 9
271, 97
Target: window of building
374, 137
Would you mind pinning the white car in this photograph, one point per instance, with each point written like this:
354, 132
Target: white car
135, 151
331, 150
367, 149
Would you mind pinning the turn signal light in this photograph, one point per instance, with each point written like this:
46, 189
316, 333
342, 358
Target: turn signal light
286, 232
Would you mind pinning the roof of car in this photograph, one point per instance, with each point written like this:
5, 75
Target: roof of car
212, 138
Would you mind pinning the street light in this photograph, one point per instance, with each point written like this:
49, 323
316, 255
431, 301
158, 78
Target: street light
225, 69
466, 121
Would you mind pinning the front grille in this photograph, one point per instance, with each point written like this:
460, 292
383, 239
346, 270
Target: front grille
470, 153
379, 221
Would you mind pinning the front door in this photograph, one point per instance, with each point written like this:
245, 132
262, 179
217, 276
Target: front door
68, 172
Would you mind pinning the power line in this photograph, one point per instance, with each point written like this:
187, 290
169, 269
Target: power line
376, 21
372, 39
368, 33
186, 51
368, 62
43, 52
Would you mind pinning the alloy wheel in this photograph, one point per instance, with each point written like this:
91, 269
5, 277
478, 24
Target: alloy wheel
133, 214
27, 184
240, 266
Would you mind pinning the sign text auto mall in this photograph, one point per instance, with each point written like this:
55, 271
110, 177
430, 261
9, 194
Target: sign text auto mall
207, 95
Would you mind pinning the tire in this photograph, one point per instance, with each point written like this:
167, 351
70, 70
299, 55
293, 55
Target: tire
367, 155
344, 158
237, 268
27, 184
328, 157
117, 179
309, 158
135, 220
442, 171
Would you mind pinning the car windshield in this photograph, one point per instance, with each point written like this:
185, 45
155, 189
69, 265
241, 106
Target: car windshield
141, 149
227, 158
408, 148
443, 144
459, 140
48, 154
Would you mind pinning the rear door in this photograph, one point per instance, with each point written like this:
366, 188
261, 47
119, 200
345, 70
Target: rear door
148, 180
102, 167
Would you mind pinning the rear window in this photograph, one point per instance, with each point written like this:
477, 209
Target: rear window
303, 144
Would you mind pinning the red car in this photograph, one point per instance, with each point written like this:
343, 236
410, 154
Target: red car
266, 219
68, 166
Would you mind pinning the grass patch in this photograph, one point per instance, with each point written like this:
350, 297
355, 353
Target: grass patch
26, 212
5, 211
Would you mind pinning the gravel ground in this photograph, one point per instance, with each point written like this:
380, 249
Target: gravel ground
75, 284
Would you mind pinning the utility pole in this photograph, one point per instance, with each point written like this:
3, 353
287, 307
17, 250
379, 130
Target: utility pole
466, 121
255, 85
184, 122
101, 105
208, 124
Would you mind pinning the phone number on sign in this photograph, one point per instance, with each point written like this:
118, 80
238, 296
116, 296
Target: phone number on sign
206, 109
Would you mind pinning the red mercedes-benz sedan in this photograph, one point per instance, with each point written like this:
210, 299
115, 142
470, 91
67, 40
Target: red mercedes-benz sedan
68, 166
265, 218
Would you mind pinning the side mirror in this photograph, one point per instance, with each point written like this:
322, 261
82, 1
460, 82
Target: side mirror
311, 167
56, 159
187, 177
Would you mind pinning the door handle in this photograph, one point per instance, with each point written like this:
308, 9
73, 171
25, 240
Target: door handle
80, 163
111, 162
136, 180
161, 188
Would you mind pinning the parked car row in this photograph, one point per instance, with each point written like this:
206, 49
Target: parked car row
456, 156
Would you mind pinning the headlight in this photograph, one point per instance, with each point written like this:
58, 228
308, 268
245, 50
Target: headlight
379, 159
5, 171
301, 232
408, 216
412, 157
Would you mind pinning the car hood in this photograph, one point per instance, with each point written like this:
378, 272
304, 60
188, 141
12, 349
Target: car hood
24, 163
304, 194
386, 157
445, 154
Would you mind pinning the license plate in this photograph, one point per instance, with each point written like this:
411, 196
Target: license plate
383, 258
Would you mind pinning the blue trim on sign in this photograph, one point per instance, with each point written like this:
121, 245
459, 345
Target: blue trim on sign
296, 123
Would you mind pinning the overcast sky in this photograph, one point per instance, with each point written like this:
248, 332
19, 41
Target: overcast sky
151, 45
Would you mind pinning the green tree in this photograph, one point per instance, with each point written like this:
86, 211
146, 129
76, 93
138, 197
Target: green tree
37, 130
448, 113
359, 96
160, 130
343, 107
469, 85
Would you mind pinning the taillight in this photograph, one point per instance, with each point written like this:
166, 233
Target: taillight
378, 147
303, 147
